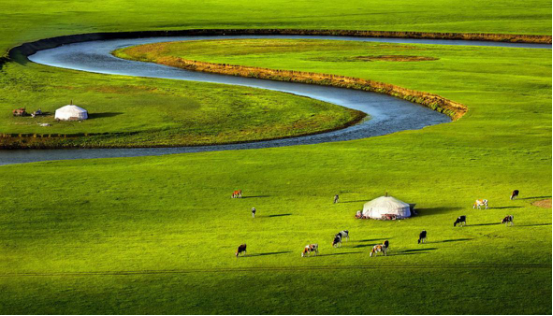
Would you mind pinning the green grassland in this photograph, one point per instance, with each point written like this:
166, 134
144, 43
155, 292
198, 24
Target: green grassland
135, 112
160, 124
23, 21
157, 235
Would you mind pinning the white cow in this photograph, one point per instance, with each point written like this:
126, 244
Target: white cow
479, 203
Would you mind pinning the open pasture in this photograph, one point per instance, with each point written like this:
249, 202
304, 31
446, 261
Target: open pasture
138, 112
156, 235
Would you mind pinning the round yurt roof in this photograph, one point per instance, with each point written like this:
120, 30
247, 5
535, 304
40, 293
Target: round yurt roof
71, 112
386, 205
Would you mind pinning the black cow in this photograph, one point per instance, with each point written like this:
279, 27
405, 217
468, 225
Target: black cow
514, 195
422, 237
241, 249
508, 220
461, 220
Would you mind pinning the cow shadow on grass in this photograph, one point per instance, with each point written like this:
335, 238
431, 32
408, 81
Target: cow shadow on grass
255, 196
338, 254
92, 116
409, 252
370, 242
356, 201
545, 224
266, 254
449, 240
365, 245
279, 215
485, 224
375, 239
535, 197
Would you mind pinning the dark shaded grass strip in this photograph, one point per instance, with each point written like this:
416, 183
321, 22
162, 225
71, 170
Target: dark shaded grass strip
279, 269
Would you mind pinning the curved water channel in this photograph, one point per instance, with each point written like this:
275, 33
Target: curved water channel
387, 114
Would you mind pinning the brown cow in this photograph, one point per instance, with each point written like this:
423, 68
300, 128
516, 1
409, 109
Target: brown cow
241, 249
237, 194
309, 249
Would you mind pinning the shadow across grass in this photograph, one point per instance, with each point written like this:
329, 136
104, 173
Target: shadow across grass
418, 250
338, 254
504, 207
535, 197
364, 245
410, 252
92, 116
544, 224
449, 240
485, 224
255, 196
266, 254
375, 239
356, 201
279, 215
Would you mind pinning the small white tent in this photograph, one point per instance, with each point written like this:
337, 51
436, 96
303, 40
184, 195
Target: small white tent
386, 205
71, 112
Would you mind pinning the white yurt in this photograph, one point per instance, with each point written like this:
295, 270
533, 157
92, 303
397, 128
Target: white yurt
386, 205
71, 112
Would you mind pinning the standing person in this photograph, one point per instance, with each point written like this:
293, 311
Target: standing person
336, 197
253, 212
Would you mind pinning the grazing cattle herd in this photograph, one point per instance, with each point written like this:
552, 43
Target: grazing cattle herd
380, 248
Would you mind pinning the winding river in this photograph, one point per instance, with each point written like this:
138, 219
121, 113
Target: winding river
387, 114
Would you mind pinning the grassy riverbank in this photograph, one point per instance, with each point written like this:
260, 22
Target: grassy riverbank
137, 112
464, 74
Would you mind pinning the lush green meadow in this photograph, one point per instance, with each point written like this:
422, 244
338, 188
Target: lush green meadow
163, 230
158, 234
23, 21
135, 112
147, 114
173, 228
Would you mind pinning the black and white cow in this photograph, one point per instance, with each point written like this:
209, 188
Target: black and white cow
461, 220
344, 234
514, 195
241, 249
508, 220
422, 237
